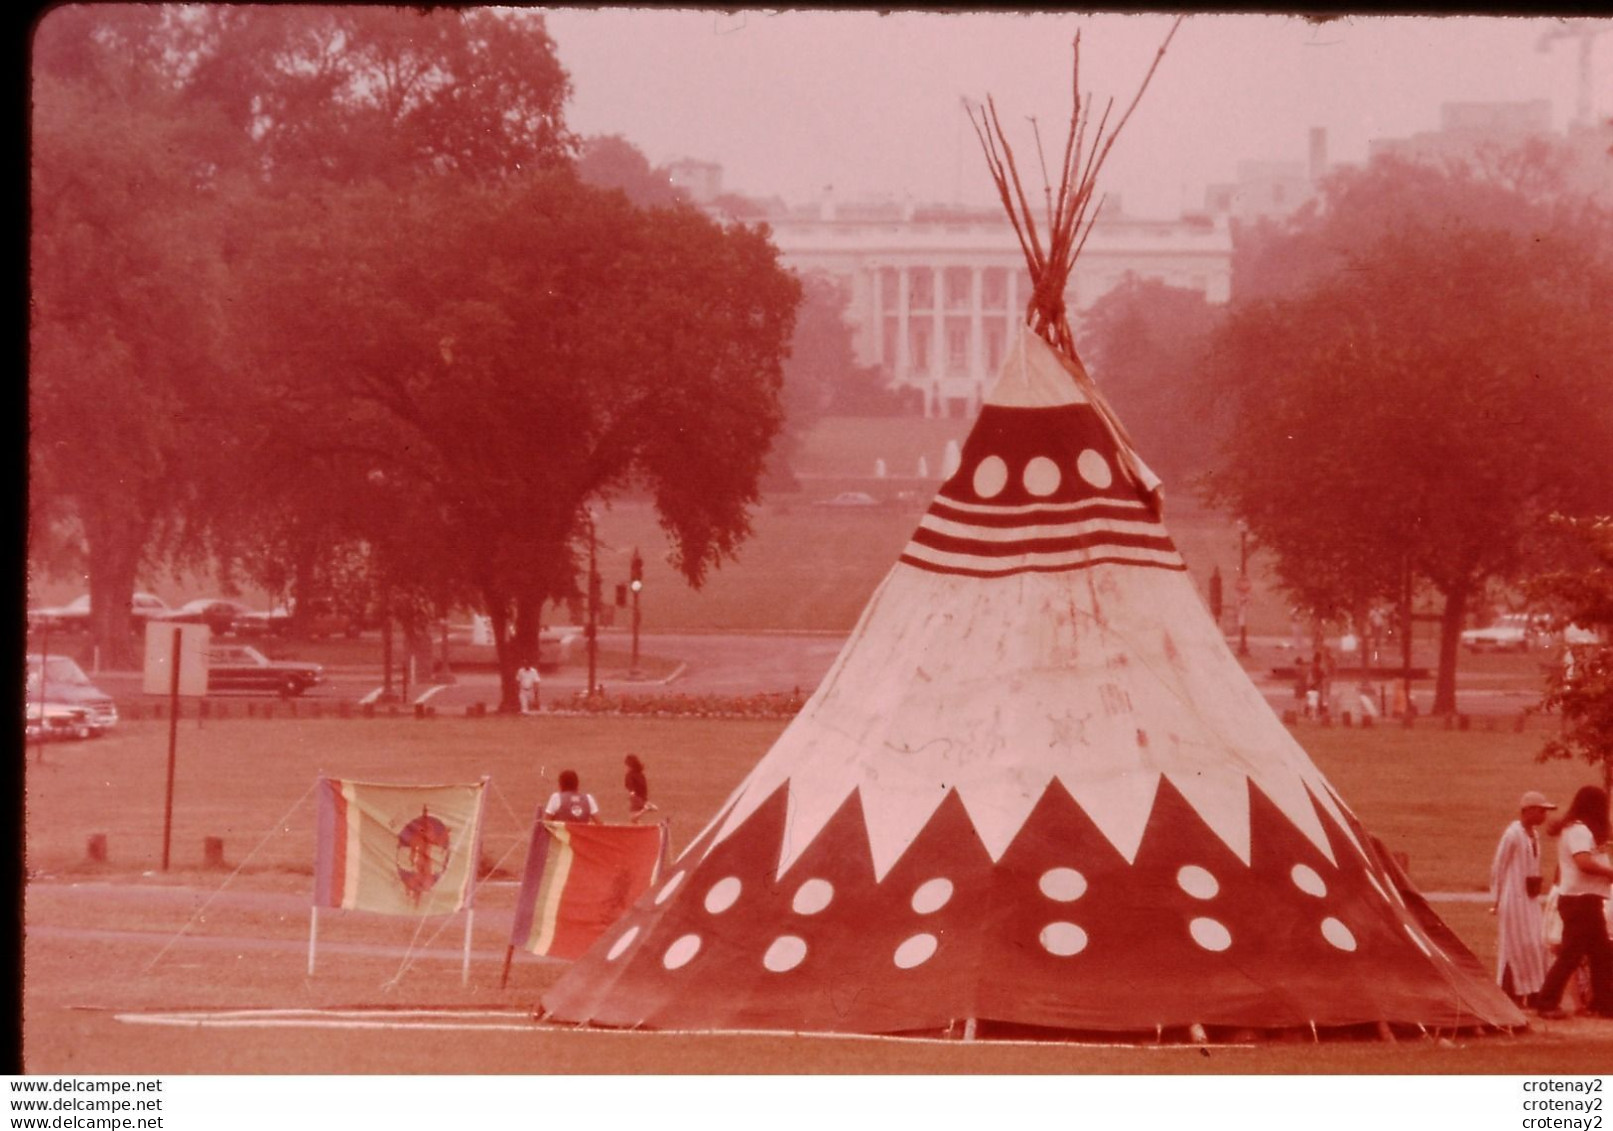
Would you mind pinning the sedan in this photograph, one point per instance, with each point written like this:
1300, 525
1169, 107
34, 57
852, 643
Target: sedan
75, 615
240, 667
56, 689
218, 613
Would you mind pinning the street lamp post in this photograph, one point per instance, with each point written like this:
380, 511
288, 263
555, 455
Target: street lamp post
636, 584
1244, 588
592, 631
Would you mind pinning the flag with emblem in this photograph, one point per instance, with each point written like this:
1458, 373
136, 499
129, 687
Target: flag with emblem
579, 879
396, 849
1036, 793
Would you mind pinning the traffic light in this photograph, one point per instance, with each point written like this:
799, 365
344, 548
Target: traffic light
637, 574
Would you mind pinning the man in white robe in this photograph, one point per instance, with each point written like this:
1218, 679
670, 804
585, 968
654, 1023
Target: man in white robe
1520, 953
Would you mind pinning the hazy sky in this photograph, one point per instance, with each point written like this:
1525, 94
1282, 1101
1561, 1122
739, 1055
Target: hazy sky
788, 102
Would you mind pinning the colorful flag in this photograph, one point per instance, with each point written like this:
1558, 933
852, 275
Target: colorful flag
579, 879
397, 849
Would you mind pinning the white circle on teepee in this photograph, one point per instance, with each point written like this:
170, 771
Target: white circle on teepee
786, 953
991, 476
1063, 884
1209, 934
1095, 469
722, 894
1338, 934
619, 947
812, 897
681, 951
932, 895
1042, 477
915, 951
669, 887
1197, 882
1063, 939
1307, 881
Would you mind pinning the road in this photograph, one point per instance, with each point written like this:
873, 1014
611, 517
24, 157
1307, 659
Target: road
745, 664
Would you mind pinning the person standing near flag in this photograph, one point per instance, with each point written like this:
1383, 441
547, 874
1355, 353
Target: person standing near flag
638, 789
569, 803
1520, 963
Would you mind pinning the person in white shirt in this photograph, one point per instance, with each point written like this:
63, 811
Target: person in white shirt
528, 680
1584, 879
1520, 952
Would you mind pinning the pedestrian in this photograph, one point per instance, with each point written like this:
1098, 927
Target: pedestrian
1584, 880
528, 680
1520, 953
638, 789
570, 804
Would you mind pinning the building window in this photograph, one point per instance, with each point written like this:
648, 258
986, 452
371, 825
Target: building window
918, 346
921, 292
959, 283
957, 346
890, 288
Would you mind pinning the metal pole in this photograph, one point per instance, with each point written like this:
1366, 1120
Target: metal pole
593, 606
1243, 589
1405, 635
636, 616
173, 744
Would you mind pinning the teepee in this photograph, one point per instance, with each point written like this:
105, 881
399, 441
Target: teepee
1036, 791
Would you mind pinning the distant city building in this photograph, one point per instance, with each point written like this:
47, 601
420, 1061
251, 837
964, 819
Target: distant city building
1270, 190
701, 181
1467, 128
935, 291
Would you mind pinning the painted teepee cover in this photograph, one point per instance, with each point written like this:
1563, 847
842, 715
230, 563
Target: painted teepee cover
1035, 789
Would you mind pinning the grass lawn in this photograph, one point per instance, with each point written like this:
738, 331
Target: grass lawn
96, 933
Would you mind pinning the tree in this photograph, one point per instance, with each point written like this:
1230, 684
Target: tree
610, 161
354, 93
125, 320
496, 357
1147, 345
1581, 688
1421, 408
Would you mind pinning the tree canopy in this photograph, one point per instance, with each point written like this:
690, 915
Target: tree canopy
1424, 402
1581, 686
1147, 344
323, 285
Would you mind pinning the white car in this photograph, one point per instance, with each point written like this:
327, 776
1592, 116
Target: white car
1513, 632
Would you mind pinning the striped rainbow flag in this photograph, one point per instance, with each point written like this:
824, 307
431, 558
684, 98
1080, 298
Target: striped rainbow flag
396, 849
579, 879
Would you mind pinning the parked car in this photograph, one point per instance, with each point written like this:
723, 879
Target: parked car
241, 667
75, 615
218, 613
1513, 632
850, 499
59, 696
320, 621
52, 722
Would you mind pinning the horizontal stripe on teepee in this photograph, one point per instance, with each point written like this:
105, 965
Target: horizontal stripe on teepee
974, 566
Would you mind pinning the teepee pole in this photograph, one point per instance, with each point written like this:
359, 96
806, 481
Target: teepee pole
464, 966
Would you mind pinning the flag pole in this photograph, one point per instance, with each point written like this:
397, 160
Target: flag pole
313, 936
475, 860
